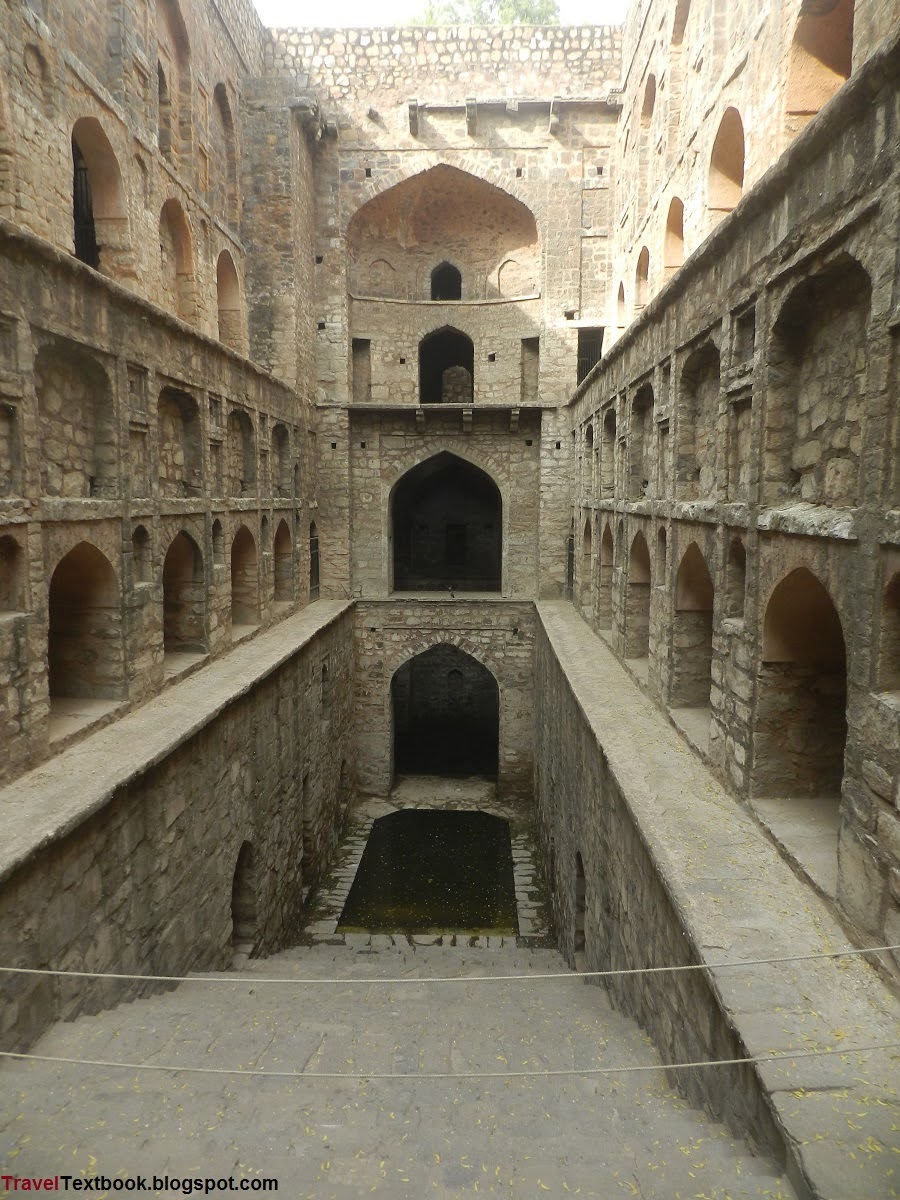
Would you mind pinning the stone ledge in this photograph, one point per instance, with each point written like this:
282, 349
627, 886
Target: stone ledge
47, 803
738, 900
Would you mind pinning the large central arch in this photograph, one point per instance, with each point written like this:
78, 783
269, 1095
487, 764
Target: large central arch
447, 528
445, 714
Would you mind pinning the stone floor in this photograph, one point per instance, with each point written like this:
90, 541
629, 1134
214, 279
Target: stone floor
626, 1135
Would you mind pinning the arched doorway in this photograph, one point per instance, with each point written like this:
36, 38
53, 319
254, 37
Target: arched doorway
446, 282
244, 580
244, 902
446, 715
447, 528
446, 368
184, 598
692, 630
801, 722
84, 639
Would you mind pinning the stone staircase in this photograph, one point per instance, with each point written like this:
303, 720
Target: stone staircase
595, 1136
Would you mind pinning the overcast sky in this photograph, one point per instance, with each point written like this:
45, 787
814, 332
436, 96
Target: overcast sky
396, 12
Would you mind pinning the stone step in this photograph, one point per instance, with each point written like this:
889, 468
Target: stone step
327, 1137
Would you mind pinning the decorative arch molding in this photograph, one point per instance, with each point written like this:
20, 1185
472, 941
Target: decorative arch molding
468, 164
428, 639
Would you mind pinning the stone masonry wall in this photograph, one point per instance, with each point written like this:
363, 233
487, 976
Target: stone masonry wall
89, 379
795, 297
498, 634
510, 61
630, 919
144, 883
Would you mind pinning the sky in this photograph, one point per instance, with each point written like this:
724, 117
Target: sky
397, 12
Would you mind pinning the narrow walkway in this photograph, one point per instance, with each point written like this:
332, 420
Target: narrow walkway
401, 1139
738, 900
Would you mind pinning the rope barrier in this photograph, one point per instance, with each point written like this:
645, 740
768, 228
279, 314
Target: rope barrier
382, 1075
246, 977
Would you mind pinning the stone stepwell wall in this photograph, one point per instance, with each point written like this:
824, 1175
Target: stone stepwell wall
120, 855
676, 873
526, 60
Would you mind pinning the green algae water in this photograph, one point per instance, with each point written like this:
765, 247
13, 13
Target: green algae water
427, 871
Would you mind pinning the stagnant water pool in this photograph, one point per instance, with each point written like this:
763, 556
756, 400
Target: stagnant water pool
427, 871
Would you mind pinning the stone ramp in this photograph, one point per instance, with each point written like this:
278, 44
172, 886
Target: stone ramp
594, 1136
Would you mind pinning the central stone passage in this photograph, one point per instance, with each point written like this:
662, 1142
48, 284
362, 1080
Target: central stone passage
426, 871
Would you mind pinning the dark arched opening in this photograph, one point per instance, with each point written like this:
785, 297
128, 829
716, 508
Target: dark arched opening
243, 902
446, 715
580, 907
313, 562
446, 368
84, 647
184, 597
447, 522
801, 722
446, 282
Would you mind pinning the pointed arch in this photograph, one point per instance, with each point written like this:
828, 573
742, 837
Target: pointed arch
244, 580
692, 631
227, 194
726, 163
85, 653
282, 560
820, 61
445, 707
446, 282
637, 600
446, 519
801, 723
446, 367
228, 302
673, 243
99, 208
184, 597
177, 279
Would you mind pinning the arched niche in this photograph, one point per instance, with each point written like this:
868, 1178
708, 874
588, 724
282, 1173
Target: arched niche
817, 387
726, 163
99, 209
224, 164
85, 654
692, 631
184, 598
819, 61
77, 425
698, 418
446, 367
177, 281
642, 279
801, 725
443, 214
446, 282
446, 715
673, 243
178, 438
604, 583
244, 581
446, 528
282, 562
637, 599
228, 302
